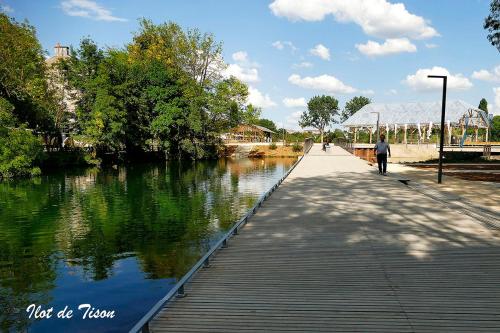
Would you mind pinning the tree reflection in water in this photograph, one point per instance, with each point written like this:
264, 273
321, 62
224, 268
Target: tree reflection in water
84, 224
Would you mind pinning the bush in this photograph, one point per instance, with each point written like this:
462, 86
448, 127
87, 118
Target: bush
20, 151
297, 147
273, 146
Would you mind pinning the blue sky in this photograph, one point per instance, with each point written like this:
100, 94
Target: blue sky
290, 50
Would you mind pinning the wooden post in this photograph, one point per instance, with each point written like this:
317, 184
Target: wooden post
370, 136
406, 137
487, 134
355, 134
477, 130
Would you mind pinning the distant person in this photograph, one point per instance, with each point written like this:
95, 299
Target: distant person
381, 149
326, 145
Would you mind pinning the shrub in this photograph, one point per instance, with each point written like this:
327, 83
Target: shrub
20, 150
297, 147
273, 146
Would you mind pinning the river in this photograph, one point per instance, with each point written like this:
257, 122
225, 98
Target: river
116, 239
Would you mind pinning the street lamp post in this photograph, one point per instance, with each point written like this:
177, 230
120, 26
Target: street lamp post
443, 112
378, 120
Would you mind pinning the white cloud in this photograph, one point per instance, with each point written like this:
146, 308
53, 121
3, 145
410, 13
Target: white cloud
392, 92
391, 46
378, 18
324, 82
280, 45
292, 121
256, 98
431, 46
243, 69
294, 102
6, 8
420, 82
496, 110
248, 75
240, 56
304, 64
88, 9
485, 75
368, 92
321, 51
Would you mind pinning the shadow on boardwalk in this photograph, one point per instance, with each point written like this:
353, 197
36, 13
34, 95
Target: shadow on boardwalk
347, 250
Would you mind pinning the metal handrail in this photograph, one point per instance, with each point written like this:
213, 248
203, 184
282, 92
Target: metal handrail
178, 290
308, 143
344, 143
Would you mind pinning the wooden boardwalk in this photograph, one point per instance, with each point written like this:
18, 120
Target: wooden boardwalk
339, 248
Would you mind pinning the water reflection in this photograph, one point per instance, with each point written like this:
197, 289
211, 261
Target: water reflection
116, 239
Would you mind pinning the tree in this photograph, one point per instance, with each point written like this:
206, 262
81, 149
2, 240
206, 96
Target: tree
495, 129
26, 101
268, 124
251, 114
321, 111
483, 105
492, 24
353, 106
23, 75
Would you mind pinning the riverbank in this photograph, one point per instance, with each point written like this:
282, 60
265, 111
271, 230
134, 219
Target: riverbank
263, 150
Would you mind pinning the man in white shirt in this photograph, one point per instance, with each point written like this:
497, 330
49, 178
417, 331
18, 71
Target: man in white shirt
381, 149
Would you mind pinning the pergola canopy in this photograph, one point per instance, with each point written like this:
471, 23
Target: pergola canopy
414, 114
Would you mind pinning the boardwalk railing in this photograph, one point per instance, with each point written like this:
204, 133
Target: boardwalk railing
344, 143
204, 262
308, 143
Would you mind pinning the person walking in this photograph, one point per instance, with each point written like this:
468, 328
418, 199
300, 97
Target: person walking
381, 149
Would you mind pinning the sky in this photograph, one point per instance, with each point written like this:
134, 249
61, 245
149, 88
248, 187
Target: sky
288, 51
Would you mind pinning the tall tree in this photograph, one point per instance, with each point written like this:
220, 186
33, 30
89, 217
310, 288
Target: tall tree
492, 24
267, 124
483, 105
23, 75
353, 106
495, 129
26, 101
321, 111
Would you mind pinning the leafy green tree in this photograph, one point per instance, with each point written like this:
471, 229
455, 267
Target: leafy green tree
321, 111
268, 124
492, 24
483, 105
165, 88
495, 129
23, 75
251, 114
353, 106
20, 149
226, 104
26, 101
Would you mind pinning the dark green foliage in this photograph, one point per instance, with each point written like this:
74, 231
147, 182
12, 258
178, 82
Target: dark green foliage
19, 150
483, 105
164, 91
296, 147
160, 91
25, 99
321, 112
353, 106
492, 24
495, 129
267, 124
273, 146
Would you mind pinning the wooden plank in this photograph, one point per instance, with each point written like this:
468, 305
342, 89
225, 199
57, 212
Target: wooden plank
313, 260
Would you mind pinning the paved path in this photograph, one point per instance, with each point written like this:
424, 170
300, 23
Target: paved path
340, 249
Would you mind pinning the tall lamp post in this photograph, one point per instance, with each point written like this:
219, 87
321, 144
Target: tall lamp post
443, 112
378, 121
